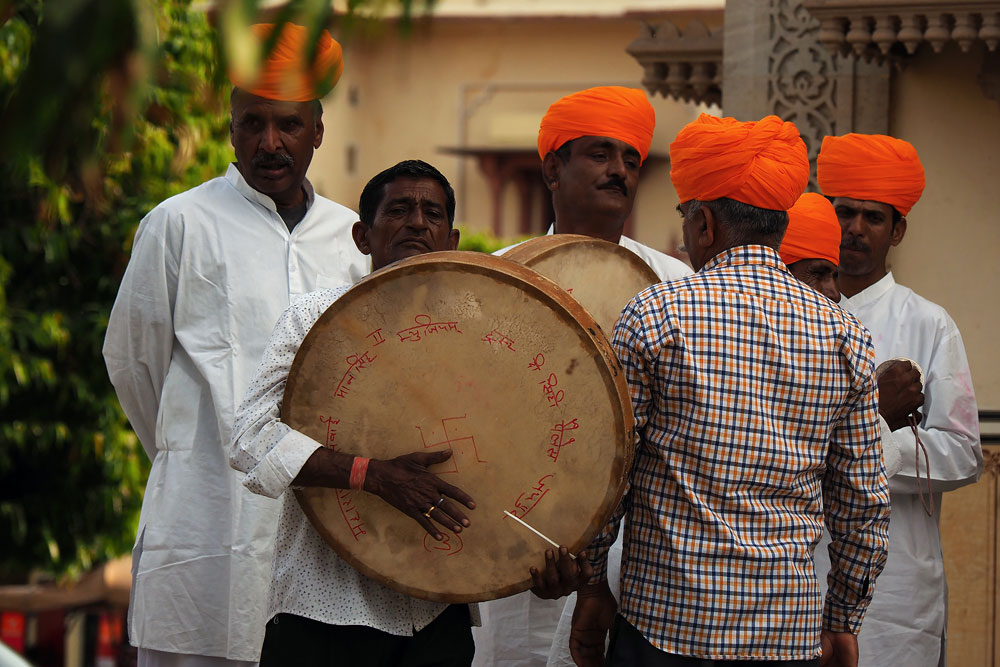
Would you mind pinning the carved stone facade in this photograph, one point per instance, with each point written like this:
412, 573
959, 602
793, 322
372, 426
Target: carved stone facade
773, 63
884, 28
686, 65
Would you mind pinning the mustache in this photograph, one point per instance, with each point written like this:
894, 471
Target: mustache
614, 183
269, 160
853, 243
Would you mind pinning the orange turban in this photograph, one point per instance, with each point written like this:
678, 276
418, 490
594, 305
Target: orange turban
286, 75
813, 231
609, 111
871, 167
762, 163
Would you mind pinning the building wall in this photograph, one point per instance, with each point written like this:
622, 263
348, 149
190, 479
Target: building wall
952, 245
481, 82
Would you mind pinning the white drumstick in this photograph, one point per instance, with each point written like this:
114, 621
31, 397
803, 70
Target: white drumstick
535, 531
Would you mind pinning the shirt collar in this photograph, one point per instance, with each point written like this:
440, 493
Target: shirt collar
552, 230
869, 294
746, 254
234, 176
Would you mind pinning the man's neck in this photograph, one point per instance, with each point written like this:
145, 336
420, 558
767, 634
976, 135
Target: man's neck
609, 231
852, 285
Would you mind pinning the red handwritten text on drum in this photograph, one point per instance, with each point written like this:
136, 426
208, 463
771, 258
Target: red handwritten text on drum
356, 363
495, 336
377, 337
557, 439
527, 500
461, 443
537, 362
552, 395
449, 546
424, 326
350, 513
331, 431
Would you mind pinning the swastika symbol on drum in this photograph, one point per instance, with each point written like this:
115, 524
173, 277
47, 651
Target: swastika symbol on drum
459, 441
449, 546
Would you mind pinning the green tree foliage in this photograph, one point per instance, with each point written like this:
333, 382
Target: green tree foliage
107, 107
94, 136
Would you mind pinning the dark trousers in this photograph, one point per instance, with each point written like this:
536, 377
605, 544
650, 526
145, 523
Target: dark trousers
293, 641
629, 648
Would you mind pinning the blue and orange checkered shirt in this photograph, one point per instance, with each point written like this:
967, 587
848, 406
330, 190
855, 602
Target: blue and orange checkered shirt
756, 416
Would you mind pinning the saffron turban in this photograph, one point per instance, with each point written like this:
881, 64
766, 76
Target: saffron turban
609, 111
813, 231
762, 163
871, 167
287, 74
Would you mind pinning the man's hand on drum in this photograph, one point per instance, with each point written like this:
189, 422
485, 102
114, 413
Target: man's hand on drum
561, 575
405, 483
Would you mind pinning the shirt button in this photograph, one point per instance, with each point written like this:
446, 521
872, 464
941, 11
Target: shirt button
292, 269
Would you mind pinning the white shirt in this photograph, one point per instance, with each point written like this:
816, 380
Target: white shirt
310, 579
518, 631
211, 271
906, 620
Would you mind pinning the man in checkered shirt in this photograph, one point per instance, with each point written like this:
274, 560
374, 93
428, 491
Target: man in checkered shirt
756, 419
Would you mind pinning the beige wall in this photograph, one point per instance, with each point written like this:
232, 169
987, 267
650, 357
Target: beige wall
405, 98
952, 246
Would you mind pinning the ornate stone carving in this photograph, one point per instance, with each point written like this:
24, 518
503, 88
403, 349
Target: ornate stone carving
683, 65
802, 82
870, 30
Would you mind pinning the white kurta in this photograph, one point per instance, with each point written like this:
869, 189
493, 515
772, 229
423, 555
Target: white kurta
906, 620
211, 271
518, 631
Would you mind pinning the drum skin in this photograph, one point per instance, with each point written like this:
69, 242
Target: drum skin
602, 276
486, 358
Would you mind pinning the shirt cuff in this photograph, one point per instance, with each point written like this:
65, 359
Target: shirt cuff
273, 475
838, 618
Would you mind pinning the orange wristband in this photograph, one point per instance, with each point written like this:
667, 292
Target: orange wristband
359, 469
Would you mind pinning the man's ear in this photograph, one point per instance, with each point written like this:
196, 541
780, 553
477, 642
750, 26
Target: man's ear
360, 233
706, 227
318, 139
232, 137
551, 168
453, 237
898, 232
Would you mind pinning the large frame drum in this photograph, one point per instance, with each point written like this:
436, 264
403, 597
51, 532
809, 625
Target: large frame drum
484, 357
602, 276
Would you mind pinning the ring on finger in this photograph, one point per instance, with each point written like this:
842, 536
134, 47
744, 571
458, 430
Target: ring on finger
439, 502
429, 510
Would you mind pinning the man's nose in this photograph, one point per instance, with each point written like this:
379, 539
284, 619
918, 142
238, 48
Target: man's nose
270, 139
417, 220
616, 166
852, 224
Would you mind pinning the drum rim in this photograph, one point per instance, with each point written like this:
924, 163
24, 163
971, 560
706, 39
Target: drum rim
570, 309
541, 247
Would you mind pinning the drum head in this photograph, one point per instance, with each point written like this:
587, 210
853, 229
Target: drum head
475, 354
602, 276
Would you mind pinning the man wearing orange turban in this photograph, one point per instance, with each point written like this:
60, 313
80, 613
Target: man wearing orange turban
811, 245
756, 419
211, 271
874, 181
592, 144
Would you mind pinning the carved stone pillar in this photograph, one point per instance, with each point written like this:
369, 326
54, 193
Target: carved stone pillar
773, 63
